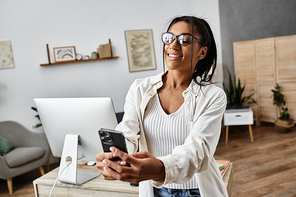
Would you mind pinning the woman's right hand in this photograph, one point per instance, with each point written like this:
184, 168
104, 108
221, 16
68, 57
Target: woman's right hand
101, 165
143, 166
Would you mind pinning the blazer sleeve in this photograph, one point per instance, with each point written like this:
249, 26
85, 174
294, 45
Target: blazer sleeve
130, 124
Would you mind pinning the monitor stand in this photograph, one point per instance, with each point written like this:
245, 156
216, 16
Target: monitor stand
68, 167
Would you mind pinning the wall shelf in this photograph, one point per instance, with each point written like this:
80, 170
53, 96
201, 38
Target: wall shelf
77, 61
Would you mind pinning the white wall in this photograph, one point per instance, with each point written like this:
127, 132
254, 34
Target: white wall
31, 24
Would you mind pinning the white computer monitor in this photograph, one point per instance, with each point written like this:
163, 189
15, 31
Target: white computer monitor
65, 118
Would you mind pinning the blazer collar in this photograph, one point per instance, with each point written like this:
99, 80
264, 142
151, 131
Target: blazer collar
193, 87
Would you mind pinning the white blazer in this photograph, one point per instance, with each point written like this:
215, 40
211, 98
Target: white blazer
204, 106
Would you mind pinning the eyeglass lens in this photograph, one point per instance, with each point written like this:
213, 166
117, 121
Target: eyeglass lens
183, 39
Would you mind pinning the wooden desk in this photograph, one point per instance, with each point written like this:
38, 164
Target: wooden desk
97, 186
228, 177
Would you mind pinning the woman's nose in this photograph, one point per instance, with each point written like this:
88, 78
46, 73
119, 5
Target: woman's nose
175, 44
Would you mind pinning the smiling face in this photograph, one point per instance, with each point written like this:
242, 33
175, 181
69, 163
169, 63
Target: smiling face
177, 57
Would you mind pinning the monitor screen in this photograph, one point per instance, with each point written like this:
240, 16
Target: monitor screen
82, 116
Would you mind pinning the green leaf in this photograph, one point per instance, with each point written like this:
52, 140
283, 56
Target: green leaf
34, 108
37, 125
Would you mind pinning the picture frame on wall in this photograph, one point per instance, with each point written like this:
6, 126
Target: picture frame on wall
6, 55
62, 54
140, 50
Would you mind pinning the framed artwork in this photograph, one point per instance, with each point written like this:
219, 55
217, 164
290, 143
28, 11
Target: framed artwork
62, 54
6, 56
140, 50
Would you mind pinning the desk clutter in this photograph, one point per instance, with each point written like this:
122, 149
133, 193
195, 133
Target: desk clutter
223, 166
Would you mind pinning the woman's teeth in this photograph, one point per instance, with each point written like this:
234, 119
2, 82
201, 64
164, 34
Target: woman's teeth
171, 55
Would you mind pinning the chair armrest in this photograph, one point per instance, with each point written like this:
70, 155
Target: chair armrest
5, 170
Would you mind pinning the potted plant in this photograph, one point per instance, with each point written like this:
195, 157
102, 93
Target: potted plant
234, 94
283, 123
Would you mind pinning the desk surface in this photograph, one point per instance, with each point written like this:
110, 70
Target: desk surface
43, 185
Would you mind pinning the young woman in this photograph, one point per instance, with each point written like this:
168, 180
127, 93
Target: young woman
176, 116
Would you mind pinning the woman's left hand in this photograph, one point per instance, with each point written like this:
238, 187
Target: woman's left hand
144, 166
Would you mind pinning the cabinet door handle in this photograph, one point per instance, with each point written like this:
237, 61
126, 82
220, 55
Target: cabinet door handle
238, 116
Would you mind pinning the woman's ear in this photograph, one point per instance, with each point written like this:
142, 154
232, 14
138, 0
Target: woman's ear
203, 52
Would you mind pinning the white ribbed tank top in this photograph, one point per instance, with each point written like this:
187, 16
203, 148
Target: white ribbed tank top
164, 132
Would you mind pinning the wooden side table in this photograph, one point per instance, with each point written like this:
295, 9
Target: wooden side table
238, 117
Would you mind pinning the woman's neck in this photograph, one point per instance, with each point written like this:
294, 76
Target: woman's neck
176, 80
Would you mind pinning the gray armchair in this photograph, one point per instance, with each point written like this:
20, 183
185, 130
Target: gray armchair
31, 151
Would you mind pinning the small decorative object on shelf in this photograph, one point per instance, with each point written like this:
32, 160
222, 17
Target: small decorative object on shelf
76, 59
94, 55
105, 50
62, 54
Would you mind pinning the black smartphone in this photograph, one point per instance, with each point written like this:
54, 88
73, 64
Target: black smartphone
114, 138
111, 138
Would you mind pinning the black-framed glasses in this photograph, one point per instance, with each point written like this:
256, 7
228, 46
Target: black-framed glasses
184, 39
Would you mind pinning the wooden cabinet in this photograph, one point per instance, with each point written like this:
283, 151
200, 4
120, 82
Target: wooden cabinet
261, 64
